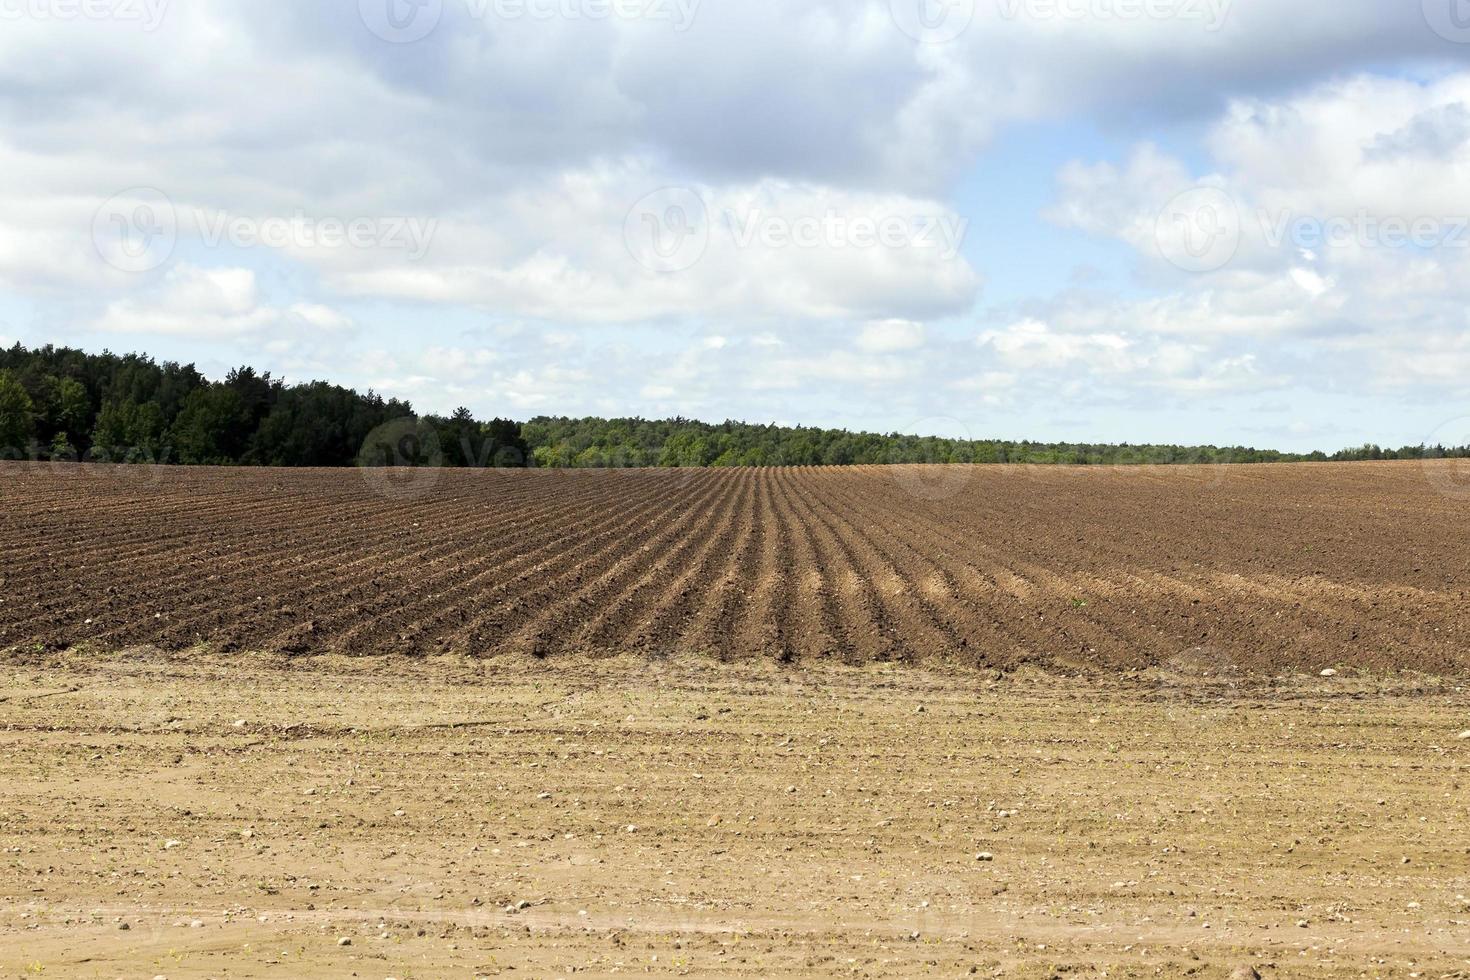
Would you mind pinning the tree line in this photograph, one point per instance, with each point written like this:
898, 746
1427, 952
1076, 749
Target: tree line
594, 442
62, 404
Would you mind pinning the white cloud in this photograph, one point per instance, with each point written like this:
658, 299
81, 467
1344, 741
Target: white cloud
1312, 283
1033, 344
563, 251
481, 126
193, 301
1360, 178
321, 317
889, 336
994, 388
1043, 358
213, 303
838, 366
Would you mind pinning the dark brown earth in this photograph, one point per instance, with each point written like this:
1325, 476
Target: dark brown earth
1210, 569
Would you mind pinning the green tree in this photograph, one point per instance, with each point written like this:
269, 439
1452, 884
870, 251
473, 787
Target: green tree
74, 407
128, 432
17, 417
555, 456
62, 450
211, 428
461, 440
686, 448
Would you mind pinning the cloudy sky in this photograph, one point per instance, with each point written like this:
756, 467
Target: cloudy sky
1083, 220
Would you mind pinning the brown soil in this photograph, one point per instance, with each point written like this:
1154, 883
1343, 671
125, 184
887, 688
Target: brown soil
1207, 569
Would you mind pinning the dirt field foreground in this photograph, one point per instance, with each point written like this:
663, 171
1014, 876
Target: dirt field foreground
209, 815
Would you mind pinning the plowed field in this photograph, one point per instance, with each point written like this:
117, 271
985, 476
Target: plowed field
1213, 569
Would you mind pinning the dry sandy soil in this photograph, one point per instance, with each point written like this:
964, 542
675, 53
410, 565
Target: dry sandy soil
243, 815
1249, 567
